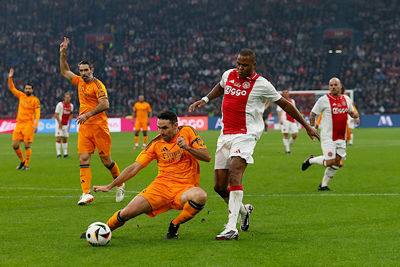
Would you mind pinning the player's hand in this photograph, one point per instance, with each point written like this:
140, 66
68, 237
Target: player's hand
35, 129
196, 104
64, 45
82, 118
313, 133
11, 73
181, 142
60, 127
102, 188
357, 120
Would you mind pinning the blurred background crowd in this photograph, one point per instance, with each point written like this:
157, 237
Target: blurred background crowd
174, 52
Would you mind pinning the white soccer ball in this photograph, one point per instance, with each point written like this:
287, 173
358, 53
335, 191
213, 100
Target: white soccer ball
98, 234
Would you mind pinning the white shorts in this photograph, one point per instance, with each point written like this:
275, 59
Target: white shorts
331, 148
232, 145
289, 127
62, 132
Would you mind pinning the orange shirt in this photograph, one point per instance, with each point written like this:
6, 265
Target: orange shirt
89, 96
28, 108
174, 163
142, 109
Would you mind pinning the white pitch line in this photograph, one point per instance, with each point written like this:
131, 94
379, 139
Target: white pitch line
325, 194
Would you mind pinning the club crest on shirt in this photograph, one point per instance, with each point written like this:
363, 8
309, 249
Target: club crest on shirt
246, 85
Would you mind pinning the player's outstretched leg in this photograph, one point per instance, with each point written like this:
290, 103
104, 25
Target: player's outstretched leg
195, 199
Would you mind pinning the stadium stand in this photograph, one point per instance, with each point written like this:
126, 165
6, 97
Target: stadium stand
175, 52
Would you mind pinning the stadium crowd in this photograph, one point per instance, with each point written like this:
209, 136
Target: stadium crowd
175, 52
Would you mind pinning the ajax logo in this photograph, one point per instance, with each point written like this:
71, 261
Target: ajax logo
246, 85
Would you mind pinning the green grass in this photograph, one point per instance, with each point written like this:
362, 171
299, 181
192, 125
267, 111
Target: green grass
293, 224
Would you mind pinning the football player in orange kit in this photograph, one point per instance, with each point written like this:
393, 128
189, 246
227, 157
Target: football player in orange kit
27, 121
177, 151
142, 112
93, 130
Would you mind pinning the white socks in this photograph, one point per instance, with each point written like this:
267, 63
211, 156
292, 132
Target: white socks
65, 148
286, 144
328, 175
291, 141
58, 148
242, 210
318, 160
235, 201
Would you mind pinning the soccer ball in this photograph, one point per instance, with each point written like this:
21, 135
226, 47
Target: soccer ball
98, 234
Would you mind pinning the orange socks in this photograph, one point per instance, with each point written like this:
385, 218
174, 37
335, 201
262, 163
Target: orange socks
18, 151
86, 177
114, 170
115, 221
190, 209
28, 153
136, 139
145, 139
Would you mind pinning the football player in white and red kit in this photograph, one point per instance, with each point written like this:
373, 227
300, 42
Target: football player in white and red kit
245, 95
63, 115
288, 123
334, 108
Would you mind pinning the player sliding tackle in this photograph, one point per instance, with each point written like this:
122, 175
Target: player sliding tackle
245, 95
334, 108
177, 151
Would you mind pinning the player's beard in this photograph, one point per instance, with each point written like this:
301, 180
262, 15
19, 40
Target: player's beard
28, 93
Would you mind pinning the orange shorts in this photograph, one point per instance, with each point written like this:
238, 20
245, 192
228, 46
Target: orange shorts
164, 196
141, 124
23, 132
92, 136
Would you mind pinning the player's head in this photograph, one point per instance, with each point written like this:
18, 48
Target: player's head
167, 124
86, 70
67, 98
285, 93
28, 89
141, 98
335, 86
245, 63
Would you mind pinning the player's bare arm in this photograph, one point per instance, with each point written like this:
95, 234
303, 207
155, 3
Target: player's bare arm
312, 118
125, 175
11, 73
57, 117
216, 92
199, 153
102, 106
64, 67
69, 120
279, 116
354, 115
294, 112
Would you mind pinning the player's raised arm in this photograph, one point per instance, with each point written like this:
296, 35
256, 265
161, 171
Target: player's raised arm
37, 117
125, 175
11, 85
294, 112
217, 91
64, 67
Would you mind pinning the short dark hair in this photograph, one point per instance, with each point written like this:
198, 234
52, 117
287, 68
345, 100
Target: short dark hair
31, 85
247, 52
86, 62
168, 115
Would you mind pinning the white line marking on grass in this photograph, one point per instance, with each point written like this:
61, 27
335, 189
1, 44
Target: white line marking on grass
326, 194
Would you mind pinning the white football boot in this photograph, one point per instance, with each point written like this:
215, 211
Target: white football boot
85, 199
120, 194
228, 234
245, 219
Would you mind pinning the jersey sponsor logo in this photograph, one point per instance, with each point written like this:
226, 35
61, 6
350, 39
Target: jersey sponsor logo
340, 110
246, 85
234, 92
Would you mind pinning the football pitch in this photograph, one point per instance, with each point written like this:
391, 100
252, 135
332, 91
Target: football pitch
292, 225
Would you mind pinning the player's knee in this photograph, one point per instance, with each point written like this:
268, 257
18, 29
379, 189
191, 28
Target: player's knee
220, 189
14, 146
84, 159
199, 196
